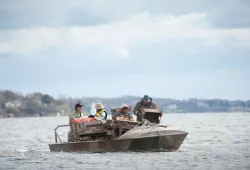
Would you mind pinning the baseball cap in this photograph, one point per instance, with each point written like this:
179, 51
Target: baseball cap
146, 97
79, 105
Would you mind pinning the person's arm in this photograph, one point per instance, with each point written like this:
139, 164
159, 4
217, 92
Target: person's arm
72, 116
114, 116
98, 116
117, 114
136, 108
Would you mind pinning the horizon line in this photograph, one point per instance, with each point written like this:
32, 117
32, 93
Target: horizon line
124, 95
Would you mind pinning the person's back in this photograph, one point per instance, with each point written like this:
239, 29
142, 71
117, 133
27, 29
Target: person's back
145, 103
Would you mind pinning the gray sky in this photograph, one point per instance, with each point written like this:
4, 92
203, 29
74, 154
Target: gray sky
164, 48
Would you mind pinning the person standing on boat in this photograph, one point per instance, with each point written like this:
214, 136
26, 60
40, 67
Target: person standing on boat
145, 103
101, 114
76, 113
124, 113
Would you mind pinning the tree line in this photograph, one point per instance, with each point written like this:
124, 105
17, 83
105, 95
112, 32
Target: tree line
38, 104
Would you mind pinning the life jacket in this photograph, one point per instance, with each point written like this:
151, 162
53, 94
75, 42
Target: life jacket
99, 113
80, 120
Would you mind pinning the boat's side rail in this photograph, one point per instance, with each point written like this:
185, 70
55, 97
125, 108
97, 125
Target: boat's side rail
56, 134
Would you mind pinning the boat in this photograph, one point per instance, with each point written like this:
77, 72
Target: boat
119, 136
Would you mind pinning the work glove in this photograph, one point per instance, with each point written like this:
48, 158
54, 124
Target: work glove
136, 113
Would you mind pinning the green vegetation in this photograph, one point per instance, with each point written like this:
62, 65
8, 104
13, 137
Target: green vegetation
38, 104
35, 104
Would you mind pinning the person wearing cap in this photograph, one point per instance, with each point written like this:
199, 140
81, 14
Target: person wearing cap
101, 114
124, 113
145, 103
76, 113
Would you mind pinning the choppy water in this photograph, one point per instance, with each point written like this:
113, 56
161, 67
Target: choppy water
215, 141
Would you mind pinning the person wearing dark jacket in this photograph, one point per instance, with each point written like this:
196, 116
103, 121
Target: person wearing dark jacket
145, 103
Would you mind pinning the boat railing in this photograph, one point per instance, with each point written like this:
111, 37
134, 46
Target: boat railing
56, 134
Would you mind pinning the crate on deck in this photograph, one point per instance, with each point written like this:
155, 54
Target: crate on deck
152, 115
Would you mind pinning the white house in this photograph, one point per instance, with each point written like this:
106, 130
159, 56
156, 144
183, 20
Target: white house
202, 105
13, 103
173, 106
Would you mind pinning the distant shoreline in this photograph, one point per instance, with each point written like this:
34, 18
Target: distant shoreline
85, 115
37, 104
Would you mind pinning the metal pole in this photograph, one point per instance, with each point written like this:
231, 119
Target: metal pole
56, 135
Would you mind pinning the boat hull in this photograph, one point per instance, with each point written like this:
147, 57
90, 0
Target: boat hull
167, 141
158, 143
91, 146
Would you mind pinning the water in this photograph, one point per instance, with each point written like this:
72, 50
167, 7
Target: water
215, 141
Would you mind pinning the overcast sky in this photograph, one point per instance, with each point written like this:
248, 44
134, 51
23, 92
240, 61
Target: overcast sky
109, 48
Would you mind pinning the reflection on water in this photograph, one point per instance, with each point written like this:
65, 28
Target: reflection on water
215, 141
